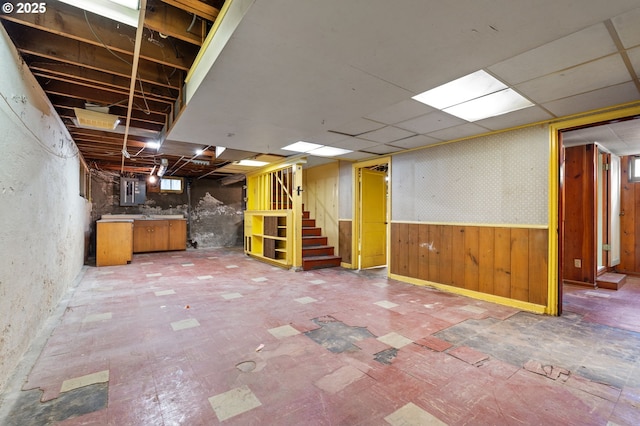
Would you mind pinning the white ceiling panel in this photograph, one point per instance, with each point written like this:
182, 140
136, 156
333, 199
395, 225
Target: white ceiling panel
634, 57
521, 117
354, 144
586, 45
415, 142
604, 72
458, 132
628, 29
401, 111
357, 127
619, 94
383, 149
294, 69
386, 134
430, 122
356, 156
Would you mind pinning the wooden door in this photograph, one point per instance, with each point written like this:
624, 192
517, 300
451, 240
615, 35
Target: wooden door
373, 218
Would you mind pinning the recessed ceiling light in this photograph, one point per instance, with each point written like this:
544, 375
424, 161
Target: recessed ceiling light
302, 146
125, 11
492, 105
328, 151
474, 97
252, 163
464, 89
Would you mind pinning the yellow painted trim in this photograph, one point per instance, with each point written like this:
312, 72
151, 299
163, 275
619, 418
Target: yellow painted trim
208, 39
518, 304
577, 120
355, 234
486, 225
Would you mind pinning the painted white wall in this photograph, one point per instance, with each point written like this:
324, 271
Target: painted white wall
43, 220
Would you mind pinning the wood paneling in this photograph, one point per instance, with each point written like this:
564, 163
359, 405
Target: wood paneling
579, 214
508, 262
629, 225
345, 239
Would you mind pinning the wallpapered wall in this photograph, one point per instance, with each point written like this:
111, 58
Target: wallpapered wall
496, 179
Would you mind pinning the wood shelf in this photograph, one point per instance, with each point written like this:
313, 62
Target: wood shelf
267, 236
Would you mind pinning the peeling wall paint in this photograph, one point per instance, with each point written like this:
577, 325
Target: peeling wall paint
216, 213
43, 219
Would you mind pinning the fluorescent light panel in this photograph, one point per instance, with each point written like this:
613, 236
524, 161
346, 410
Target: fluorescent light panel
474, 97
492, 105
329, 151
302, 146
125, 11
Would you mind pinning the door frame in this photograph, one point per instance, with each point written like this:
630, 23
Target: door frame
556, 227
357, 224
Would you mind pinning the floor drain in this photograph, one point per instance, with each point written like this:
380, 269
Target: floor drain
246, 366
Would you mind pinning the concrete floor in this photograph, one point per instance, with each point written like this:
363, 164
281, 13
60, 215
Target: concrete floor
209, 337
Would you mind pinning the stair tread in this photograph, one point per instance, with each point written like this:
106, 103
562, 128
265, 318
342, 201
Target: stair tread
321, 257
318, 246
611, 277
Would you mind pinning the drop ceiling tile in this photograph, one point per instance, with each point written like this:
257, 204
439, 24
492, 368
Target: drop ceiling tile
634, 57
628, 27
415, 142
358, 127
356, 156
354, 144
587, 135
430, 122
595, 75
458, 132
386, 134
383, 149
584, 46
516, 118
401, 111
621, 93
326, 138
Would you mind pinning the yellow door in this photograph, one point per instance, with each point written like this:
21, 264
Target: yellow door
373, 218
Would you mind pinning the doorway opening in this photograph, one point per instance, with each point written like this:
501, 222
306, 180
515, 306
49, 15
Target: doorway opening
592, 186
371, 215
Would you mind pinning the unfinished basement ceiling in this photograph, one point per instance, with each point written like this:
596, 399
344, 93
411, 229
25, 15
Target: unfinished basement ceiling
334, 73
83, 60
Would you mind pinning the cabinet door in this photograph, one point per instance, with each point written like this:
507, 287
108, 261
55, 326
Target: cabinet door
159, 235
177, 235
114, 243
141, 236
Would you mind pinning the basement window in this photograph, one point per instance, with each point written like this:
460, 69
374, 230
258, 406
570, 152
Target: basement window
634, 168
171, 184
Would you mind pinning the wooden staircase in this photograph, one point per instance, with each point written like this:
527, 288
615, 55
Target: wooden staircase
316, 254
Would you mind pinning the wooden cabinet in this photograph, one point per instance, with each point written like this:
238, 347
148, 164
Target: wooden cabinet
114, 242
159, 235
267, 236
177, 234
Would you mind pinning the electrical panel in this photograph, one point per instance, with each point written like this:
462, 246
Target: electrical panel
132, 192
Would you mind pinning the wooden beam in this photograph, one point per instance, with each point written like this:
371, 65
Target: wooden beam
51, 46
196, 7
64, 102
164, 19
70, 22
70, 72
102, 96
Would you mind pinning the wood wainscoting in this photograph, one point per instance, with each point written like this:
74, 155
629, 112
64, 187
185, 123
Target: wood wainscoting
502, 261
